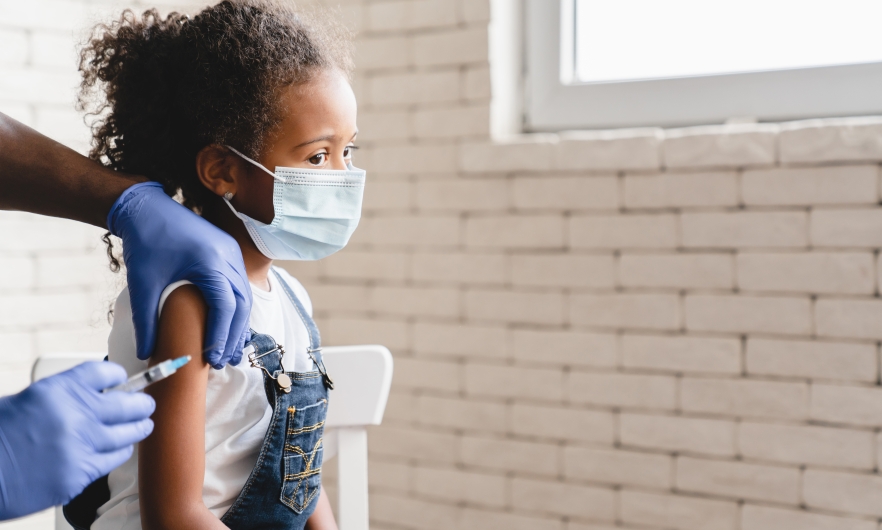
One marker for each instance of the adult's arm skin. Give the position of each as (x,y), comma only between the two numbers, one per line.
(39,175)
(163,242)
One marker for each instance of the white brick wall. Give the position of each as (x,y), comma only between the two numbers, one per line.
(594,330)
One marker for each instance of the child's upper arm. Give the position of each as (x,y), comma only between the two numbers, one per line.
(171,461)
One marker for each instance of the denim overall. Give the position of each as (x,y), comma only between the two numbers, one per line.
(283,488)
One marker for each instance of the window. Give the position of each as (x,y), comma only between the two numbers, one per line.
(629,63)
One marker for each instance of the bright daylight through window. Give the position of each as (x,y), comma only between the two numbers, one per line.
(628,63)
(651,39)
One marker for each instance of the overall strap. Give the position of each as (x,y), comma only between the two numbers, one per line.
(315,339)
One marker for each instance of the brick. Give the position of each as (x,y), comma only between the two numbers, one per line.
(388,196)
(812,359)
(412,444)
(678,511)
(42,309)
(622,390)
(18,273)
(846,228)
(373,53)
(622,149)
(354,265)
(476,81)
(415,301)
(623,231)
(475,10)
(459,268)
(806,445)
(451,47)
(720,146)
(563,270)
(745,398)
(677,433)
(682,353)
(811,186)
(452,122)
(570,348)
(626,311)
(422,159)
(412,513)
(459,340)
(567,424)
(401,407)
(507,306)
(515,231)
(14,43)
(417,231)
(748,314)
(514,382)
(482,520)
(455,485)
(617,467)
(389,16)
(44,14)
(424,374)
(526,153)
(53,49)
(678,190)
(385,125)
(390,475)
(807,272)
(745,229)
(849,318)
(340,298)
(847,404)
(555,498)
(738,480)
(767,518)
(680,271)
(462,195)
(566,193)
(843,492)
(460,414)
(503,455)
(38,233)
(826,140)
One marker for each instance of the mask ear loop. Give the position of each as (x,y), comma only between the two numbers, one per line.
(256,163)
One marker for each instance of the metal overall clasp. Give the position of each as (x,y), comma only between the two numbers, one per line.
(282,379)
(326,379)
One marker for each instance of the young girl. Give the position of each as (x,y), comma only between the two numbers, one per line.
(204,106)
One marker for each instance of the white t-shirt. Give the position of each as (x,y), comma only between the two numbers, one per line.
(237,412)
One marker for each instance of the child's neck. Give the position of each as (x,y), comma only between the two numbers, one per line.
(257,266)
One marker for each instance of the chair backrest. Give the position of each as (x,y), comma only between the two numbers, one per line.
(362,376)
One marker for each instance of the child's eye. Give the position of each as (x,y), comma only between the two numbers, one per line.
(318,159)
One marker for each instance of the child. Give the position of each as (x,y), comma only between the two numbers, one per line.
(204,106)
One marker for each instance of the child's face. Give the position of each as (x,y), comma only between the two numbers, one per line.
(317,132)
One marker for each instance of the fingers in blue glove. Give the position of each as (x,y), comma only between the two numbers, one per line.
(121,407)
(97,375)
(106,462)
(110,438)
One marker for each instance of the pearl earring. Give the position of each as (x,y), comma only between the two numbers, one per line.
(228,195)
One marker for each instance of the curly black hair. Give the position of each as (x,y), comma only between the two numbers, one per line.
(161,89)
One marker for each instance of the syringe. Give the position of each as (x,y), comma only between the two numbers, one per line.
(151,375)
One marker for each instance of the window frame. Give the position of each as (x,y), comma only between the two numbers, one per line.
(554,103)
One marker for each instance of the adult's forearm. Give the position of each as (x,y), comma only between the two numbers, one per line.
(39,175)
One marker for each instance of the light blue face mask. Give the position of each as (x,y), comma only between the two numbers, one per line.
(316,212)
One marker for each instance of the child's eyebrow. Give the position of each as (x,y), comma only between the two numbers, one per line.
(322,139)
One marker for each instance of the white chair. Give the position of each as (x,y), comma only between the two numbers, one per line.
(362,376)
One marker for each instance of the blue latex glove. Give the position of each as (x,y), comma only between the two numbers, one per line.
(163,242)
(61,434)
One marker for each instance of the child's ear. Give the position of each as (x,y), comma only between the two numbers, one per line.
(219,169)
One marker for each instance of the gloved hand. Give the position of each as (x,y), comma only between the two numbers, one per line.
(163,242)
(61,434)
